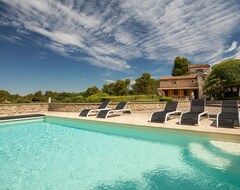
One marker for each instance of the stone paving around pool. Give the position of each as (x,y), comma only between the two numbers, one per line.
(142,118)
(207,127)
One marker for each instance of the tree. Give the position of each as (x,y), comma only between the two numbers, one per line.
(38,97)
(213,87)
(64,96)
(224,78)
(229,71)
(4,96)
(180,66)
(91,91)
(120,88)
(51,94)
(145,85)
(109,89)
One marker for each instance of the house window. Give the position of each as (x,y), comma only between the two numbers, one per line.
(185,92)
(200,70)
(193,80)
(174,82)
(166,92)
(175,92)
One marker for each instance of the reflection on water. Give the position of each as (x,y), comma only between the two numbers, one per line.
(48,156)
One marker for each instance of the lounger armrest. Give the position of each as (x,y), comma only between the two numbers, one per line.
(201,114)
(171,113)
(178,111)
(127,110)
(185,112)
(174,112)
(217,122)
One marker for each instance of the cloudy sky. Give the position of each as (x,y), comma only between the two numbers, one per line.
(70,45)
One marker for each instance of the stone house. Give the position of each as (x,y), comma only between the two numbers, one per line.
(185,86)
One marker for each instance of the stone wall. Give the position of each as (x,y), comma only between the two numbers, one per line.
(71,107)
(134,106)
(12,109)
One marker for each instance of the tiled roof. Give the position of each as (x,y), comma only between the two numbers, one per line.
(198,65)
(191,76)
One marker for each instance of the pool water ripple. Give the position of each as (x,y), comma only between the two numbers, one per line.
(43,155)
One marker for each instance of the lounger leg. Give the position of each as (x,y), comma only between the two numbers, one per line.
(88,113)
(180,120)
(166,117)
(217,120)
(199,117)
(238,119)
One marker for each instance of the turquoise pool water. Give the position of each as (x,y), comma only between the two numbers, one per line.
(59,154)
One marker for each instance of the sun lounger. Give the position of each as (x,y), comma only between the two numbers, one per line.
(87,112)
(162,116)
(196,111)
(229,115)
(119,109)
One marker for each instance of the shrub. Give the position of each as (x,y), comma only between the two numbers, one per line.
(97,97)
(66,100)
(22,100)
(136,98)
(232,98)
(77,99)
(167,99)
(147,100)
(119,98)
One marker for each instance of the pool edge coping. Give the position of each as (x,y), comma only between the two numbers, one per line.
(209,134)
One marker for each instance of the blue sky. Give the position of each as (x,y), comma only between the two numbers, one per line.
(71,45)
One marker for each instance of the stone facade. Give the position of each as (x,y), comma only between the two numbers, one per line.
(13,109)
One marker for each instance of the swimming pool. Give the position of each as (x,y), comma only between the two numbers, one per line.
(58,153)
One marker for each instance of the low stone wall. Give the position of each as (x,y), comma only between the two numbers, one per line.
(12,109)
(134,106)
(71,107)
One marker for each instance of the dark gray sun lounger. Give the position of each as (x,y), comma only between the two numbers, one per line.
(87,112)
(196,111)
(162,116)
(229,115)
(118,109)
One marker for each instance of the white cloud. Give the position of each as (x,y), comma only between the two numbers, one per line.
(108,62)
(12,39)
(236,55)
(108,34)
(108,81)
(233,47)
(42,55)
